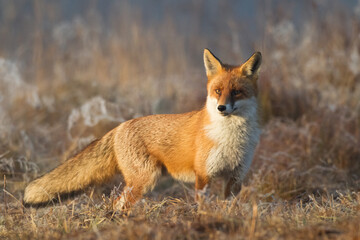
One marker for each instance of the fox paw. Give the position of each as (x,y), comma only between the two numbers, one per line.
(201,195)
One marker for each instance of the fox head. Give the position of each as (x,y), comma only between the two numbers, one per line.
(232,90)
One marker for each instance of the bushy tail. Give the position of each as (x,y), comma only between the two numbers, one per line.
(93,165)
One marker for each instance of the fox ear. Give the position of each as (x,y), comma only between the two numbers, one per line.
(212,64)
(252,65)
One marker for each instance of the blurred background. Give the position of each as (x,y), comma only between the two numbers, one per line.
(72,70)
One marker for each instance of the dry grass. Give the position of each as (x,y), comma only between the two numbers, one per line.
(67,79)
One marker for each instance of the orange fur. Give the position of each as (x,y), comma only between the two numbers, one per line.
(193,147)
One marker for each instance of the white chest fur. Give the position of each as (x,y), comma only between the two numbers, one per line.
(235,137)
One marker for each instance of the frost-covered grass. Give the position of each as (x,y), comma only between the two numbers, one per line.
(74,79)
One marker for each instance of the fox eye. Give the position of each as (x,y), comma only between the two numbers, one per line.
(218,91)
(236,92)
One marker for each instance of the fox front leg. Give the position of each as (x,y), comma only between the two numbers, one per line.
(200,186)
(233,187)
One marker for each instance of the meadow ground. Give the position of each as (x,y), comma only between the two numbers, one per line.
(67,78)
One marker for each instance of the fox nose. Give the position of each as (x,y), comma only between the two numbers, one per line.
(221,108)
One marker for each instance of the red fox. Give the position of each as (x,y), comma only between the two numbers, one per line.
(217,141)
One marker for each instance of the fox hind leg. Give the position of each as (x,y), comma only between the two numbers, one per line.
(139,180)
(127,198)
